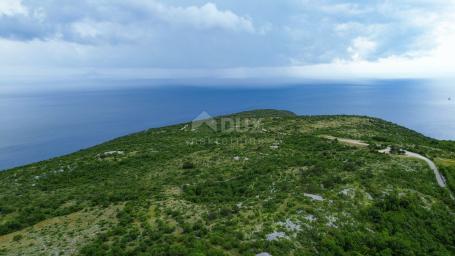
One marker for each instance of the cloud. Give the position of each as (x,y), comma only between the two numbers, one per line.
(89,31)
(361,48)
(215,38)
(110,22)
(207,16)
(344,9)
(10,8)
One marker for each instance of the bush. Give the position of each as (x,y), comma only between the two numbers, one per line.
(188,165)
(18,237)
(177,249)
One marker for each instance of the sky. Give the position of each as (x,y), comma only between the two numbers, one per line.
(157,39)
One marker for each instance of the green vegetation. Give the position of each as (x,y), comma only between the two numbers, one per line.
(281,188)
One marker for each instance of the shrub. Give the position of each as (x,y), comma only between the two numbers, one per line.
(188,165)
(18,237)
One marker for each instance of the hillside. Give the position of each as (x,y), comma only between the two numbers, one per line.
(262,182)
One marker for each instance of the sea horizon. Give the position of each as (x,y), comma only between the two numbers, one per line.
(43,124)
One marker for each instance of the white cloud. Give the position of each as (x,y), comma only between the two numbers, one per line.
(361,48)
(321,38)
(113,22)
(206,16)
(99,32)
(344,8)
(438,62)
(12,8)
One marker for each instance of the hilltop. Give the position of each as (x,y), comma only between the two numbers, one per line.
(263,182)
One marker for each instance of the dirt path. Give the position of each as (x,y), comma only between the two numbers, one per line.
(347,141)
(439,177)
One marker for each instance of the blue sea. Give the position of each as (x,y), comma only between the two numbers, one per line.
(39,124)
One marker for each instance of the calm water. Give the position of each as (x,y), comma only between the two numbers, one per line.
(38,125)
